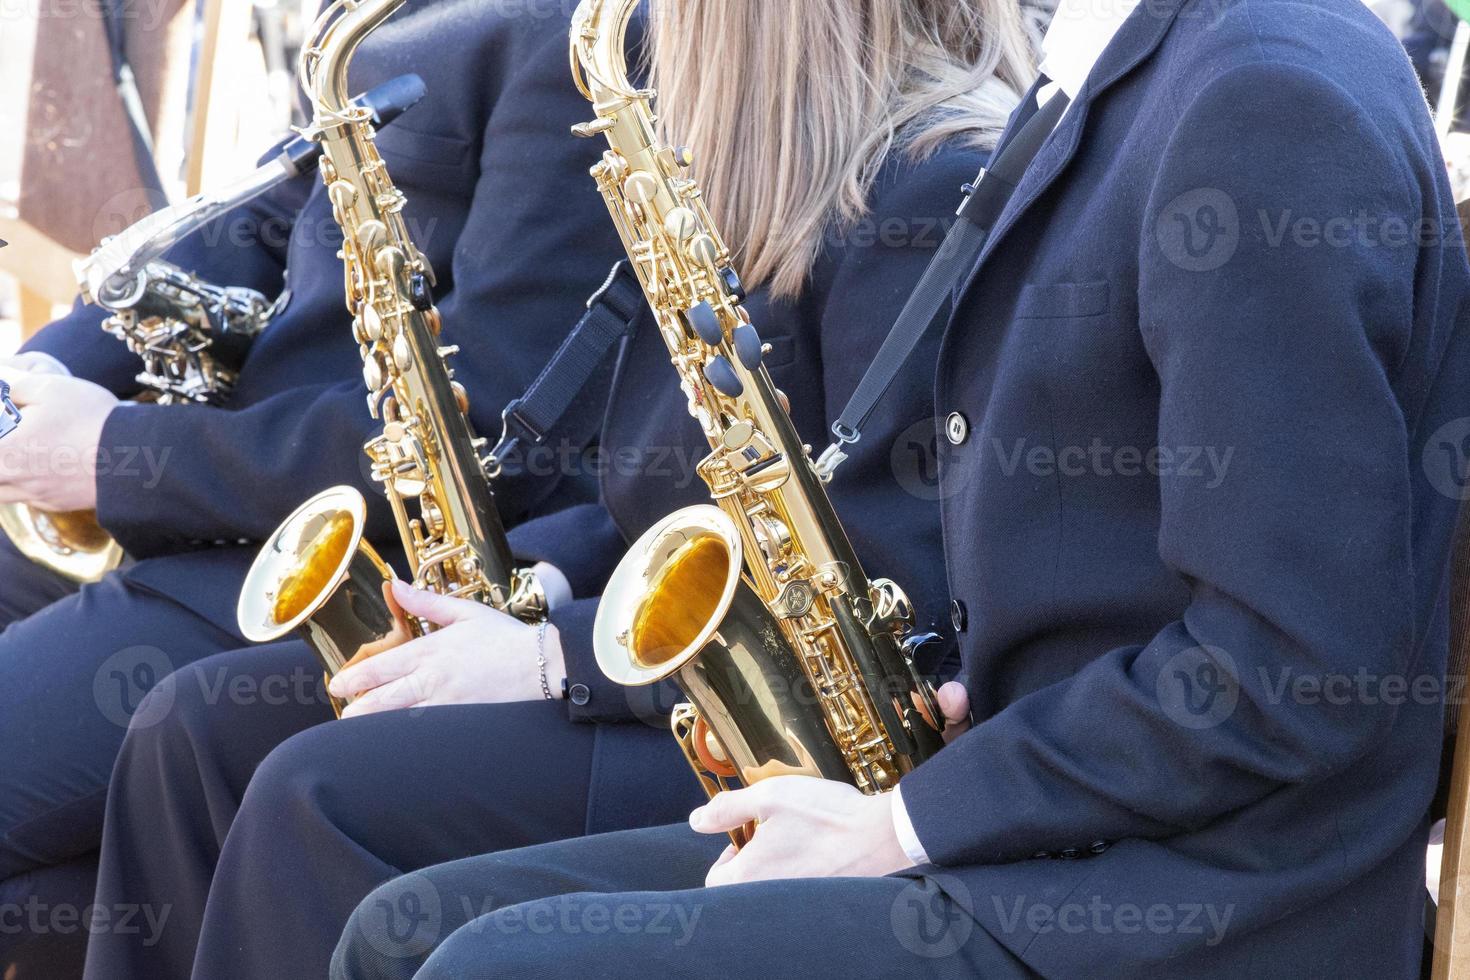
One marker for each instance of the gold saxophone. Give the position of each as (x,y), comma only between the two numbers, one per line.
(800,665)
(316,574)
(191,336)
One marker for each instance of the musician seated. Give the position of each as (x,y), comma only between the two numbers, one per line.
(1203,393)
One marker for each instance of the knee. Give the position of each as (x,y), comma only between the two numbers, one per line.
(392,931)
(169,721)
(299,776)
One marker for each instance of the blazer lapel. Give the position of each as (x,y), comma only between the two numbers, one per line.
(1134,43)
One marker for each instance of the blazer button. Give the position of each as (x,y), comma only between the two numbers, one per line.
(959,618)
(1098,847)
(1070,854)
(579,694)
(956,428)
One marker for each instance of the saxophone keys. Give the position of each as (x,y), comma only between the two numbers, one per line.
(706,323)
(371,324)
(461,397)
(402,354)
(702,249)
(719,372)
(342,195)
(737,436)
(748,346)
(389,261)
(640,186)
(372,373)
(680,224)
(372,234)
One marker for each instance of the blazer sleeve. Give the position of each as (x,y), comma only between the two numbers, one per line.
(244,247)
(179,477)
(1298,563)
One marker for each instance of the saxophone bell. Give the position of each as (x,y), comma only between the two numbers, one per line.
(319,578)
(679,608)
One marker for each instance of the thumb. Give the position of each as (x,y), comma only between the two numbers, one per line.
(726,811)
(438,609)
(954,701)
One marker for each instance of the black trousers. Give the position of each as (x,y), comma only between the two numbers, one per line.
(180,776)
(631,905)
(286,835)
(74,665)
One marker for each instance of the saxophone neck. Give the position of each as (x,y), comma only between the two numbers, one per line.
(599,53)
(335,38)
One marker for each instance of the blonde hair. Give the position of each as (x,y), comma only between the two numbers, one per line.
(792,106)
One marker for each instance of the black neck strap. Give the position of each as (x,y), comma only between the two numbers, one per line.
(957,255)
(541,414)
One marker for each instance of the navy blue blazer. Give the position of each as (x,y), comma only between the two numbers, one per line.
(886,494)
(500,203)
(1213,380)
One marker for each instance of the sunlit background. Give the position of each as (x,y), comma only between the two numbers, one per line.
(219,88)
(216,86)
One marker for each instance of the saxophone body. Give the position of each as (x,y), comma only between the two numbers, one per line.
(192,337)
(793,660)
(316,575)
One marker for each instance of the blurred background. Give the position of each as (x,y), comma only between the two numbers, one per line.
(112,108)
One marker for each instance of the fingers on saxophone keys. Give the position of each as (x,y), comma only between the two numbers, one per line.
(438,609)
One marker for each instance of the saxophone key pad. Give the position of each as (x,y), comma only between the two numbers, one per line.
(706,323)
(680,224)
(402,353)
(748,346)
(640,186)
(720,373)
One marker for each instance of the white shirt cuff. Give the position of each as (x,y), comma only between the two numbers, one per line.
(904,828)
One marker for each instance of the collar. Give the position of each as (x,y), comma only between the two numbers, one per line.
(1079,33)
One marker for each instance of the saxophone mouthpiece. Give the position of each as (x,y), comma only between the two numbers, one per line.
(384,103)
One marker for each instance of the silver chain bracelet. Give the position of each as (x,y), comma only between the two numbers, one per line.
(541,658)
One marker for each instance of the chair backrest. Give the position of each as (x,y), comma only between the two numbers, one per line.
(1452,923)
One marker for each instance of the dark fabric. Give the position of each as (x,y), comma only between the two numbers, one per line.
(47,916)
(497,196)
(342,808)
(26,587)
(75,673)
(1144,634)
(181,773)
(338,808)
(630,905)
